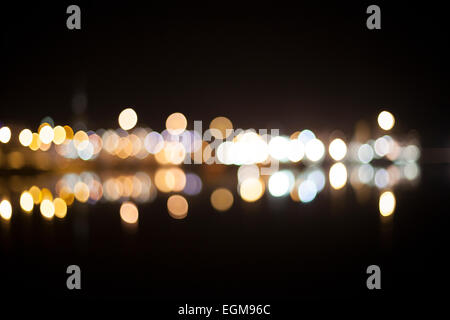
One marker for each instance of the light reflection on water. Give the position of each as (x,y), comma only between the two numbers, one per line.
(54,196)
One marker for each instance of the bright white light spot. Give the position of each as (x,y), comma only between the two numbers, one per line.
(127,119)
(46,134)
(279,147)
(386,120)
(5,209)
(25,137)
(314,150)
(387,203)
(337,149)
(5,134)
(280,183)
(296,150)
(338,175)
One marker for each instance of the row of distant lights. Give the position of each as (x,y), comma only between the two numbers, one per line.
(246,148)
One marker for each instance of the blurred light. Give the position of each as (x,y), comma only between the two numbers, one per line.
(411,171)
(81,191)
(221,199)
(248,171)
(337,149)
(177,206)
(279,147)
(16,160)
(47,208)
(280,183)
(381,146)
(338,175)
(176,123)
(129,212)
(5,134)
(36,194)
(411,153)
(193,184)
(318,178)
(221,127)
(26,201)
(69,132)
(46,134)
(365,153)
(35,142)
(296,150)
(60,208)
(314,150)
(386,120)
(80,140)
(251,189)
(25,137)
(307,191)
(381,178)
(387,203)
(127,119)
(365,173)
(305,136)
(5,209)
(46,194)
(59,135)
(179,179)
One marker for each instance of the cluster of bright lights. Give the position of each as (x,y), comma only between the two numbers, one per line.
(245,148)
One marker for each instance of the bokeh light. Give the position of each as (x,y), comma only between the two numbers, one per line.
(47,208)
(338,175)
(25,137)
(26,201)
(386,120)
(337,149)
(177,206)
(387,203)
(129,213)
(222,199)
(5,209)
(176,123)
(5,134)
(251,189)
(127,119)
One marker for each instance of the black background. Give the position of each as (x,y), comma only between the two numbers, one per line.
(263,66)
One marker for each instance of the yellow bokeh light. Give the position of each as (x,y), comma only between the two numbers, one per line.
(46,194)
(47,208)
(69,132)
(222,199)
(251,189)
(35,142)
(59,135)
(67,195)
(176,123)
(127,119)
(25,137)
(129,212)
(5,209)
(36,194)
(387,203)
(60,207)
(221,127)
(26,201)
(177,206)
(386,120)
